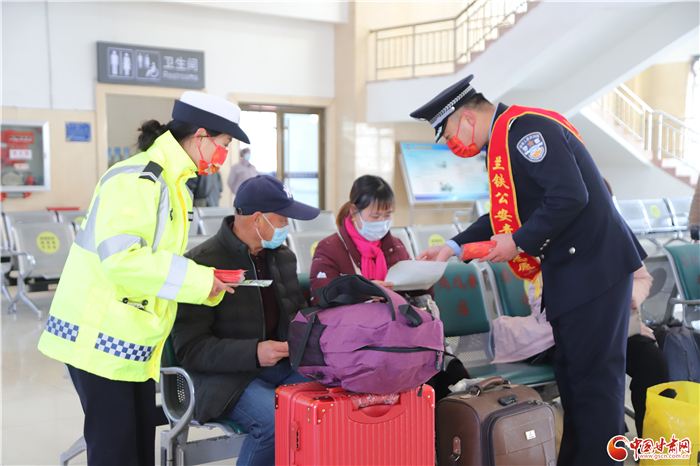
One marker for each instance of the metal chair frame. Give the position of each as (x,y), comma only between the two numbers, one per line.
(680,227)
(15,218)
(545,387)
(21,296)
(684,300)
(415,231)
(401,234)
(479,209)
(33,267)
(206,216)
(461,226)
(176,450)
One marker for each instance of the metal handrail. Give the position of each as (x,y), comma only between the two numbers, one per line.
(663,134)
(425,22)
(449,46)
(636,98)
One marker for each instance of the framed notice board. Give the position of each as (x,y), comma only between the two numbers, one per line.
(25,156)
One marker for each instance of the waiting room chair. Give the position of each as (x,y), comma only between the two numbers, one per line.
(402,234)
(77,448)
(210,218)
(68,216)
(72,217)
(194,225)
(15,218)
(509,291)
(423,236)
(658,308)
(659,220)
(45,248)
(633,213)
(481,207)
(6,260)
(461,226)
(680,212)
(303,244)
(685,263)
(324,221)
(460,295)
(177,397)
(194,241)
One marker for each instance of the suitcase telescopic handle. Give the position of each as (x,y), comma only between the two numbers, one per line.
(476,389)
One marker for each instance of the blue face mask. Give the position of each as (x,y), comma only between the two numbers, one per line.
(374,231)
(246,157)
(277,238)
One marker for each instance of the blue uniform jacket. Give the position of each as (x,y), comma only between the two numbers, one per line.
(568,218)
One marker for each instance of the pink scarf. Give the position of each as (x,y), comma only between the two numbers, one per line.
(373,260)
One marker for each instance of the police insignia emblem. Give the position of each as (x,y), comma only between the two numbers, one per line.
(533,147)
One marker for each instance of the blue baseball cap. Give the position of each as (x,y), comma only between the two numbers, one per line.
(265,193)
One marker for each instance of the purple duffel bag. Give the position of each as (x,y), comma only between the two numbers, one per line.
(368,347)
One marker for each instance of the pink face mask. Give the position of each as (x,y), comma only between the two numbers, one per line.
(458,148)
(217,160)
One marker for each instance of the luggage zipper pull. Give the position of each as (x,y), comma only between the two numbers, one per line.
(437,360)
(420,391)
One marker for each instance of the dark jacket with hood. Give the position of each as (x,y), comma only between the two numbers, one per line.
(218,345)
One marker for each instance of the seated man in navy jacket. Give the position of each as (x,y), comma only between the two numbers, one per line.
(237,352)
(550,211)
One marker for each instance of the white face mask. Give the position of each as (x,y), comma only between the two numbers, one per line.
(374,231)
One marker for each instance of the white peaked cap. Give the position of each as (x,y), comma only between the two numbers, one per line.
(210,112)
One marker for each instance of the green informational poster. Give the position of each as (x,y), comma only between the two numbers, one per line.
(433,174)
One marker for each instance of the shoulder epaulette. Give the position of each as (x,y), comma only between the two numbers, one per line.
(151,172)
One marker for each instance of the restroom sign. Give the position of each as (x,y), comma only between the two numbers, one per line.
(149,66)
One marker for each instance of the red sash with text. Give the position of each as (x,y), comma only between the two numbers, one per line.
(504,202)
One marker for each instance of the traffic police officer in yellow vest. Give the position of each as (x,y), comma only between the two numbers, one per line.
(551,213)
(116,302)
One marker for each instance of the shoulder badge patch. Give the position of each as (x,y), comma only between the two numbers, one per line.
(533,147)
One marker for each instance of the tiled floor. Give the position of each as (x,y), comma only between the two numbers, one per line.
(41,413)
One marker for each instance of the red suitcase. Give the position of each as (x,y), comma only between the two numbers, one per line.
(315,425)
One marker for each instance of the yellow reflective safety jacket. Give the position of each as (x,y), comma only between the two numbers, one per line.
(116,301)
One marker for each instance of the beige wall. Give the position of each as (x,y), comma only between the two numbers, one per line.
(664,87)
(73,164)
(364,148)
(126,113)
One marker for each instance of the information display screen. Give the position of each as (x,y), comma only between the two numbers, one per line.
(434,174)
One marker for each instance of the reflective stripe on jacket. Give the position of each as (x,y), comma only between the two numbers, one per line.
(125,274)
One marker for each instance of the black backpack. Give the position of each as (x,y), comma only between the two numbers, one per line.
(681,350)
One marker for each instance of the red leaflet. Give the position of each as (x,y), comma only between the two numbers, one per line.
(476,250)
(229,276)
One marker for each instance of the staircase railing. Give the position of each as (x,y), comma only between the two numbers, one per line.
(659,132)
(440,47)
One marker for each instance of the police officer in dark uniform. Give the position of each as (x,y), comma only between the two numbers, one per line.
(587,253)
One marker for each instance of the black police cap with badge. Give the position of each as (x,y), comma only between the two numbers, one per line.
(437,110)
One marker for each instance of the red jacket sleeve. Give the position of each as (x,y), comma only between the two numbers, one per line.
(327,263)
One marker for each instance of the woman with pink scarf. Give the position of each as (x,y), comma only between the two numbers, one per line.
(363,245)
